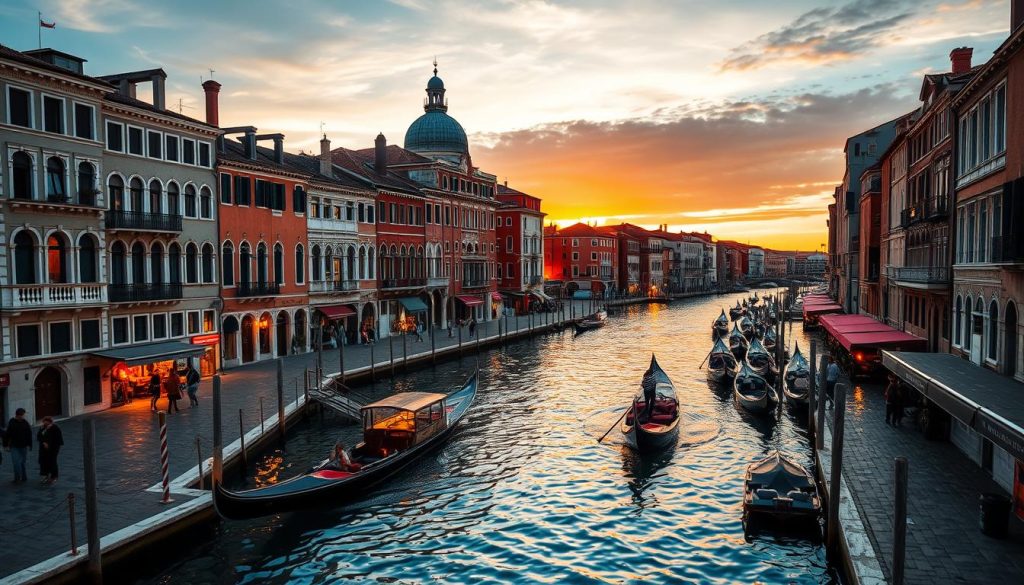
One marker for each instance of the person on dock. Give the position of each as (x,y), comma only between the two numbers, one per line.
(450,328)
(18,440)
(192,384)
(419,331)
(472,326)
(172,387)
(154,390)
(50,441)
(831,379)
(891,391)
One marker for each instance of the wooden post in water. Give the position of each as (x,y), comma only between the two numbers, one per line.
(391,355)
(811,430)
(819,438)
(280,399)
(341,360)
(241,437)
(460,340)
(92,527)
(218,437)
(433,349)
(836,473)
(405,352)
(899,520)
(373,364)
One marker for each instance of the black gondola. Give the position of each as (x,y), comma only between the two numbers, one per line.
(770,339)
(751,390)
(736,312)
(658,428)
(759,359)
(592,321)
(721,363)
(781,489)
(396,432)
(797,378)
(720,327)
(737,343)
(747,327)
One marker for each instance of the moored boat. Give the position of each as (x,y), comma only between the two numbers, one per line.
(737,343)
(747,327)
(736,312)
(397,431)
(720,326)
(781,489)
(658,428)
(797,379)
(592,321)
(721,363)
(759,359)
(751,390)
(769,340)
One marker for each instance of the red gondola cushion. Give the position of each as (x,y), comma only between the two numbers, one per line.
(330,474)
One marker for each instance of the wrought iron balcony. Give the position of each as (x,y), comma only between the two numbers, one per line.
(257,289)
(911,215)
(1008,249)
(327,286)
(134,293)
(936,207)
(42,296)
(143,221)
(919,274)
(392,283)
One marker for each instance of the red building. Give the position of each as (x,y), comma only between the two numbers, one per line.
(582,258)
(520,241)
(870,240)
(263,249)
(654,259)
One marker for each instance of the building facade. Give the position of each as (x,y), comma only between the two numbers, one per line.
(583,258)
(520,241)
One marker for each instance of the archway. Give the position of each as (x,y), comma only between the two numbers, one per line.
(300,330)
(49,386)
(438,306)
(282,333)
(229,337)
(248,340)
(1010,341)
(264,326)
(368,323)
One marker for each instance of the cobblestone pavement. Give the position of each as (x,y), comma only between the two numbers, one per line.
(944,543)
(36,522)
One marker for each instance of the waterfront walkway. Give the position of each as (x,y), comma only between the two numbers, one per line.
(36,524)
(944,543)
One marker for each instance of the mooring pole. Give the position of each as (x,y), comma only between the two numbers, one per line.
(218,437)
(199,457)
(405,352)
(811,430)
(241,437)
(899,520)
(280,399)
(460,340)
(373,364)
(391,355)
(433,349)
(341,360)
(92,527)
(819,437)
(836,475)
(165,477)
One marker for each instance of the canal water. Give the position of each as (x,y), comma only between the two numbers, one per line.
(523,492)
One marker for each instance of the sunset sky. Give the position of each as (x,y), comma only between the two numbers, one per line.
(723,116)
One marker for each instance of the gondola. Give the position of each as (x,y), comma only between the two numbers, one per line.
(721,363)
(660,428)
(737,343)
(592,321)
(778,488)
(751,390)
(397,431)
(797,378)
(720,326)
(759,359)
(769,340)
(736,312)
(747,327)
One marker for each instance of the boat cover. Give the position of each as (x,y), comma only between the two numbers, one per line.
(778,473)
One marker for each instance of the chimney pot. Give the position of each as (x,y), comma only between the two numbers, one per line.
(212,90)
(250,145)
(960,59)
(380,154)
(279,150)
(325,156)
(159,94)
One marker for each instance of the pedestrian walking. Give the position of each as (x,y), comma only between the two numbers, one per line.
(154,390)
(419,331)
(472,326)
(18,440)
(831,378)
(172,387)
(192,384)
(891,390)
(50,441)
(450,328)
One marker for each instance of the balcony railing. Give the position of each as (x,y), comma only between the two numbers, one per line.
(1008,249)
(133,293)
(257,289)
(911,215)
(475,282)
(437,281)
(28,296)
(919,274)
(142,220)
(936,207)
(326,286)
(391,283)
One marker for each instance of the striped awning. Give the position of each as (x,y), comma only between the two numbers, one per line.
(470,301)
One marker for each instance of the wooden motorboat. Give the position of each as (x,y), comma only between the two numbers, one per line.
(659,428)
(397,431)
(781,489)
(720,326)
(592,321)
(752,391)
(759,359)
(747,327)
(737,343)
(797,379)
(722,363)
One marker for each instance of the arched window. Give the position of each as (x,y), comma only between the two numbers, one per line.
(173,199)
(244,264)
(118,264)
(329,273)
(25,257)
(958,323)
(384,274)
(190,201)
(278,263)
(86,184)
(402,263)
(968,323)
(174,264)
(362,263)
(191,263)
(371,267)
(135,188)
(138,263)
(317,266)
(261,263)
(227,264)
(115,191)
(156,263)
(21,183)
(300,264)
(351,263)
(993,329)
(205,203)
(55,179)
(155,197)
(207,263)
(88,260)
(57,259)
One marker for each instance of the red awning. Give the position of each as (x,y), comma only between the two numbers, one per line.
(836,324)
(336,311)
(821,309)
(891,339)
(470,301)
(497,298)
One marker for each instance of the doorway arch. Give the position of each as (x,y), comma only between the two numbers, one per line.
(248,339)
(49,388)
(1010,341)
(282,333)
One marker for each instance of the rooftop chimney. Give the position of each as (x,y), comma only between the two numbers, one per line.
(380,154)
(1016,14)
(249,141)
(279,149)
(325,156)
(159,95)
(212,89)
(960,58)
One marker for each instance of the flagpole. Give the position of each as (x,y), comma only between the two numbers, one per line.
(39,28)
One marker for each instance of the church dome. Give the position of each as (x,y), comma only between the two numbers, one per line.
(436,131)
(435,83)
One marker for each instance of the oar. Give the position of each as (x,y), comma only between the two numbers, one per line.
(701,366)
(615,424)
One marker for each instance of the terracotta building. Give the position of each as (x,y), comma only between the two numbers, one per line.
(582,258)
(520,241)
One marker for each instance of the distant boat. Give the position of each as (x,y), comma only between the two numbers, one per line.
(797,379)
(751,390)
(660,429)
(720,326)
(721,363)
(592,321)
(737,342)
(778,488)
(747,328)
(759,359)
(736,312)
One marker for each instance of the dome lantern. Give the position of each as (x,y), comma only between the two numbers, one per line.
(435,132)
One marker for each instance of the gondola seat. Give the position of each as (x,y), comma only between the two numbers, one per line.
(331,474)
(766,494)
(799,496)
(662,419)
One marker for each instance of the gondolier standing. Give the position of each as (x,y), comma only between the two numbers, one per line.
(650,387)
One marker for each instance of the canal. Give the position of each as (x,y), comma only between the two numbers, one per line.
(524,493)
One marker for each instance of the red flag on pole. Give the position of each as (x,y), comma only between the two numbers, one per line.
(45,24)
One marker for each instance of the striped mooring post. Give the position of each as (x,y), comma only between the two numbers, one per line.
(165,471)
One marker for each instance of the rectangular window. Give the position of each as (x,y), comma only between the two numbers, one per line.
(60,337)
(28,340)
(135,145)
(204,154)
(1000,120)
(160,326)
(84,125)
(177,324)
(430,213)
(188,151)
(382,215)
(119,327)
(447,216)
(593,256)
(986,129)
(362,213)
(369,213)
(299,199)
(53,114)
(394,215)
(19,107)
(155,142)
(90,333)
(140,325)
(225,188)
(170,147)
(279,199)
(243,191)
(209,321)
(193,322)
(115,137)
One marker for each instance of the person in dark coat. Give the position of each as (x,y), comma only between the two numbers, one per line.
(154,390)
(650,387)
(18,440)
(172,387)
(192,379)
(50,441)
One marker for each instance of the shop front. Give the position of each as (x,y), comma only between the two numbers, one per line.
(337,325)
(207,361)
(412,311)
(468,307)
(132,367)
